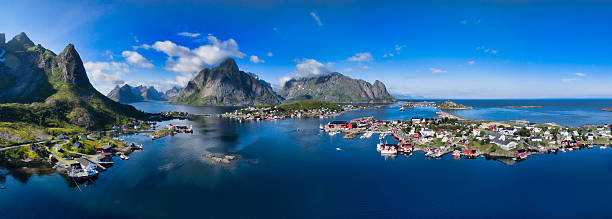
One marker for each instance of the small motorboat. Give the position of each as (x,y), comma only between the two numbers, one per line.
(402,109)
(123,157)
(338,149)
(603,147)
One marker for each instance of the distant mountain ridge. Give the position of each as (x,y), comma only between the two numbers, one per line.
(52,90)
(336,87)
(129,94)
(172,93)
(228,86)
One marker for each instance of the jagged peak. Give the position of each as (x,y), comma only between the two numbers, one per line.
(20,41)
(229,64)
(69,50)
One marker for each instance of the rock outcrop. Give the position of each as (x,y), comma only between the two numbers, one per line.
(335,87)
(226,85)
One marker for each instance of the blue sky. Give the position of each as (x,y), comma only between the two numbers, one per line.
(429,49)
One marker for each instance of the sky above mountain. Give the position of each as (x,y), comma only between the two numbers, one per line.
(427,49)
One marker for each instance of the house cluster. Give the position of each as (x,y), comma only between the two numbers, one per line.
(274,113)
(444,135)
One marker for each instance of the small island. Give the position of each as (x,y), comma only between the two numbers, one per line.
(450,105)
(607,109)
(299,109)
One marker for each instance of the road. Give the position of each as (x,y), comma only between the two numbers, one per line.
(25,145)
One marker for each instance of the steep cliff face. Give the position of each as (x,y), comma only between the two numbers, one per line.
(226,85)
(53,90)
(336,87)
(129,94)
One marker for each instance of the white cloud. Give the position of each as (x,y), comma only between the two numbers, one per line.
(106,73)
(487,50)
(270,54)
(366,67)
(306,68)
(135,58)
(255,59)
(143,46)
(316,17)
(437,71)
(190,61)
(361,57)
(348,69)
(580,74)
(471,62)
(188,34)
(398,48)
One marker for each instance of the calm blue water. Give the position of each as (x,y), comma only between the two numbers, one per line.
(566,112)
(290,169)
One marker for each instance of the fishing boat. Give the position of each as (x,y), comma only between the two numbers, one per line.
(123,157)
(82,172)
(321,127)
(389,150)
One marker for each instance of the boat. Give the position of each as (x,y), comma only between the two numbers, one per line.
(333,133)
(381,136)
(456,153)
(562,150)
(570,149)
(389,150)
(603,147)
(402,109)
(379,146)
(123,157)
(429,154)
(321,127)
(338,149)
(79,173)
(367,135)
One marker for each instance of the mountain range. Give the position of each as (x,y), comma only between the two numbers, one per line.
(227,85)
(52,90)
(129,94)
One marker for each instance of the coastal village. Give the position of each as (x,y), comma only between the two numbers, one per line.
(449,134)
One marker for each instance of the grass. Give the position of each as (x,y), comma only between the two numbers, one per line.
(308,105)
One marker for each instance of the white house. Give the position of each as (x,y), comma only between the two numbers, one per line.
(427,132)
(506,145)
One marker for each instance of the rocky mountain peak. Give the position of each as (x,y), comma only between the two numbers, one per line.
(71,68)
(229,64)
(20,42)
(335,87)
